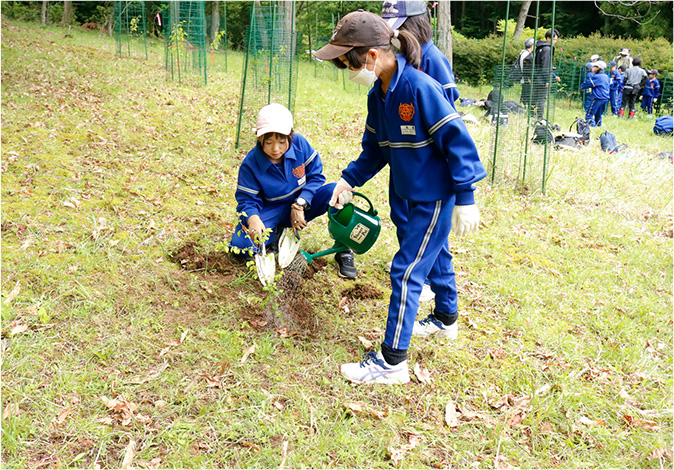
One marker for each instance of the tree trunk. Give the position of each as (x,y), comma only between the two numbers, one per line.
(45,4)
(524,11)
(289,26)
(215,20)
(68,13)
(445,28)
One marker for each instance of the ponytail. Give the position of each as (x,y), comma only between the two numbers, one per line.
(409,47)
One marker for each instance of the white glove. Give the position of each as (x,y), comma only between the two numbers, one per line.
(465,219)
(341,194)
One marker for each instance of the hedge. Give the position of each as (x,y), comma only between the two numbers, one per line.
(474,59)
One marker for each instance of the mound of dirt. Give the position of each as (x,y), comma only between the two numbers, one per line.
(361,292)
(189,258)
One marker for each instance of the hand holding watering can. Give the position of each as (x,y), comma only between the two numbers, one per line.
(341,195)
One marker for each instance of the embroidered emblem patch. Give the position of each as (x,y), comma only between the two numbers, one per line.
(406,111)
(299,171)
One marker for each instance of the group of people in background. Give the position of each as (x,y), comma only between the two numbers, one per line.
(620,87)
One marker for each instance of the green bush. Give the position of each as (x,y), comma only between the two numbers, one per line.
(474,59)
(29,11)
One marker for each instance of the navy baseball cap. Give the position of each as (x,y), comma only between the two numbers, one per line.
(396,12)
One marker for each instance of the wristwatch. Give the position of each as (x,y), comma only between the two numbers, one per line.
(301,202)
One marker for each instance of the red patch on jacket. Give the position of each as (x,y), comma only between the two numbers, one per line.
(406,111)
(299,171)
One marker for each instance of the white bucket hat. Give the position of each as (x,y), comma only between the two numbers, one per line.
(274,118)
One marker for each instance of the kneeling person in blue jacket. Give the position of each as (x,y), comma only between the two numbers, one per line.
(599,83)
(281,185)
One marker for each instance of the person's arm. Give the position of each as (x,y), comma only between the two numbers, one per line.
(370,161)
(451,137)
(313,170)
(248,194)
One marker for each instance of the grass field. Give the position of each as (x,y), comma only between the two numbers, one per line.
(130,338)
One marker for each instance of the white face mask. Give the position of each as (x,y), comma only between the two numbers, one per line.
(364,76)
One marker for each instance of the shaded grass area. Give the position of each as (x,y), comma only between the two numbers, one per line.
(109,174)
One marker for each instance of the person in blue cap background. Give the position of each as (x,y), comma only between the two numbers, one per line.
(651,91)
(587,100)
(615,89)
(597,81)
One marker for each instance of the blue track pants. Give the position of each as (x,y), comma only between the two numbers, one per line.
(424,252)
(596,112)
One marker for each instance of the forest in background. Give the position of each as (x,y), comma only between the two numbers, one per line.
(474,19)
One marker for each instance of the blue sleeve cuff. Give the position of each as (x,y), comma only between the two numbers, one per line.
(465,198)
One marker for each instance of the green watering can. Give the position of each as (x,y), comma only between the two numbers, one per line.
(350,227)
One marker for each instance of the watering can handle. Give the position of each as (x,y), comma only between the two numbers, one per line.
(370,211)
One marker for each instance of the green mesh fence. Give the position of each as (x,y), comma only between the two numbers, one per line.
(130,29)
(185,41)
(270,66)
(219,41)
(514,157)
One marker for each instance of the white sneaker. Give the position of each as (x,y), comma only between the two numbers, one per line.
(431,326)
(426,294)
(374,369)
(387,267)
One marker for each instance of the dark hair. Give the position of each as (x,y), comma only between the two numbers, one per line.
(636,61)
(622,68)
(548,33)
(420,26)
(409,47)
(269,135)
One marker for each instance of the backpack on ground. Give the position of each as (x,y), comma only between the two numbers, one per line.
(663,125)
(582,128)
(568,141)
(608,142)
(543,133)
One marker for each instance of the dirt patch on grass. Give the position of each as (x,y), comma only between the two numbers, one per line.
(361,292)
(191,258)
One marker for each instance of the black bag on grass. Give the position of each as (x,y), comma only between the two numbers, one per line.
(608,142)
(568,142)
(582,128)
(543,133)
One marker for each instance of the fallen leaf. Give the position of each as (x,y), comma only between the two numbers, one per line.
(284,453)
(422,374)
(660,453)
(354,406)
(501,463)
(543,390)
(184,335)
(279,406)
(640,423)
(63,414)
(251,445)
(397,454)
(18,327)
(12,295)
(129,454)
(344,304)
(249,350)
(451,418)
(11,410)
(367,344)
(591,422)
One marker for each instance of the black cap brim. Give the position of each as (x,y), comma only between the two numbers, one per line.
(331,51)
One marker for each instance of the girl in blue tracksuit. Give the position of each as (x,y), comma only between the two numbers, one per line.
(280,185)
(615,89)
(413,16)
(651,91)
(598,82)
(412,128)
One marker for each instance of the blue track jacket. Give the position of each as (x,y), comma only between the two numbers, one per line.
(419,134)
(652,88)
(616,80)
(262,183)
(436,64)
(599,84)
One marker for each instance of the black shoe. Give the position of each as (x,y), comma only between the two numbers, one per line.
(347,268)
